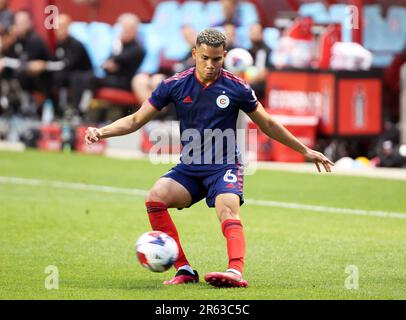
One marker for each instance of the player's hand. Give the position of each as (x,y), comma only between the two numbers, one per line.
(92,135)
(319,158)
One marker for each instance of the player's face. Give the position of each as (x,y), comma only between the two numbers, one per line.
(209,61)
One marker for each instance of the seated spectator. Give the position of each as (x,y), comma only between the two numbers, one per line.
(69,64)
(120,67)
(6,16)
(26,61)
(189,34)
(260,52)
(9,87)
(7,40)
(231,14)
(389,156)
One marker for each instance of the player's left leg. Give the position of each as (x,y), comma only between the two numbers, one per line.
(227,207)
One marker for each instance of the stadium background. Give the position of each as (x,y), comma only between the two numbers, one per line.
(336,132)
(81,212)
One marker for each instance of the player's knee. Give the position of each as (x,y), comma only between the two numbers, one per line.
(226,212)
(156,195)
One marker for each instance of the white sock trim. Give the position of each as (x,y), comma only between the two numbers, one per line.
(187,268)
(234,271)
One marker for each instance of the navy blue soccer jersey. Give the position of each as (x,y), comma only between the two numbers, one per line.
(207,114)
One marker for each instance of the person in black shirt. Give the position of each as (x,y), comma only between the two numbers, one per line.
(70,62)
(231,36)
(26,58)
(231,14)
(6,16)
(189,35)
(120,67)
(70,54)
(127,56)
(260,52)
(9,100)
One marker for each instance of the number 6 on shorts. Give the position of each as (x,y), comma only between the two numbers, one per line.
(230,177)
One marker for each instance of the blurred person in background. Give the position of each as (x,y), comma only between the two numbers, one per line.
(9,86)
(230,33)
(392,86)
(261,53)
(120,67)
(6,16)
(189,34)
(69,64)
(7,40)
(231,14)
(26,59)
(389,155)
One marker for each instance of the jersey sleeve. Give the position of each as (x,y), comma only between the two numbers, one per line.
(161,96)
(249,101)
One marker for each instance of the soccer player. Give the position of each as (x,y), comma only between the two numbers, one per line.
(206,97)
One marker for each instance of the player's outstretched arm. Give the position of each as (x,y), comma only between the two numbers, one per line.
(277,131)
(124,125)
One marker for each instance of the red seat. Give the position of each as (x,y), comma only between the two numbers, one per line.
(116,96)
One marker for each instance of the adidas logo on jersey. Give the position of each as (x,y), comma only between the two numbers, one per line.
(188,99)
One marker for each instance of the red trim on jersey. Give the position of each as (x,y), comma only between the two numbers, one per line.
(204,85)
(233,77)
(149,100)
(240,176)
(180,75)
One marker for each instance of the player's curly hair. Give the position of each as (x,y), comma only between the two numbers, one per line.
(212,38)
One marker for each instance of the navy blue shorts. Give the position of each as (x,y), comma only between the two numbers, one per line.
(209,183)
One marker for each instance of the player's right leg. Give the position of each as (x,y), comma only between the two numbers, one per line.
(168,193)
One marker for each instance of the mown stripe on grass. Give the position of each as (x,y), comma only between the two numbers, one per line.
(142,193)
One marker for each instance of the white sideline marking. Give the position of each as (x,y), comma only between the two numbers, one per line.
(71,185)
(139,192)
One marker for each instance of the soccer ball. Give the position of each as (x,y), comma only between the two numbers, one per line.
(238,60)
(156,251)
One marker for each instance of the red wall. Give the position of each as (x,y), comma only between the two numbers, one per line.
(37,9)
(106,10)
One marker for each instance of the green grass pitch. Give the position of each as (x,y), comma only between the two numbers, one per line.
(291,253)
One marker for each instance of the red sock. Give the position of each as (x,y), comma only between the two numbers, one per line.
(232,230)
(161,221)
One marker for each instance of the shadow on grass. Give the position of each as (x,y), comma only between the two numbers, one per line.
(132,284)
